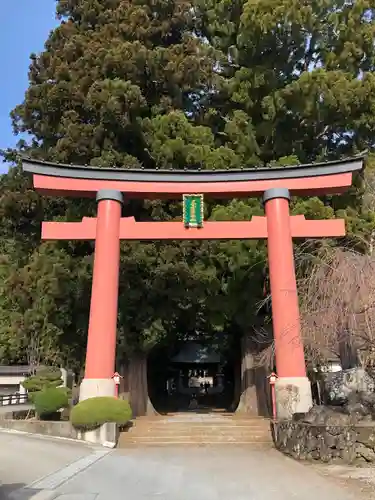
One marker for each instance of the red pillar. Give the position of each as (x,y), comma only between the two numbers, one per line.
(290,359)
(101,341)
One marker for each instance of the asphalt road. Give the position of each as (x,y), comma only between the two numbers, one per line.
(49,469)
(25,458)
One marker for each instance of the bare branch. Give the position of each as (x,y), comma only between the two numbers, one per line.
(337,305)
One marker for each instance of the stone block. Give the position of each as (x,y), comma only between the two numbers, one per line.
(366,436)
(105,435)
(367,453)
(349,454)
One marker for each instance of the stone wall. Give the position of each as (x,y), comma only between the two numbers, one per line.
(351,444)
(44,427)
(105,435)
(16,414)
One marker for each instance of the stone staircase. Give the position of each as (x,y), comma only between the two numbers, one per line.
(191,429)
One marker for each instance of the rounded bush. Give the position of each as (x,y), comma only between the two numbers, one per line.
(49,401)
(44,378)
(93,412)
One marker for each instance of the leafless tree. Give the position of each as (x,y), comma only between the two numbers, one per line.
(336,288)
(337,297)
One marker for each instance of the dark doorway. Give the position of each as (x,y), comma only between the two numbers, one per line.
(191,377)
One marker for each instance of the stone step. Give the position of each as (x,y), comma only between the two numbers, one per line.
(198,432)
(164,444)
(222,420)
(201,428)
(201,416)
(231,437)
(250,424)
(186,432)
(254,444)
(198,439)
(193,430)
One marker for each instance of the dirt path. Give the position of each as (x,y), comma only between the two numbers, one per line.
(356,480)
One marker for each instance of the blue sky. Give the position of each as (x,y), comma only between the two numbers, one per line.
(25,25)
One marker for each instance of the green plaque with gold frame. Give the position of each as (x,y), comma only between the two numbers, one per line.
(193,210)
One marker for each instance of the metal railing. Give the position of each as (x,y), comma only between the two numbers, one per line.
(14,399)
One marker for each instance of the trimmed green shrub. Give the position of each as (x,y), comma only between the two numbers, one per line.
(93,412)
(44,378)
(49,401)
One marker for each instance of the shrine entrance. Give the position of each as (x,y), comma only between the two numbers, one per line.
(196,378)
(274,185)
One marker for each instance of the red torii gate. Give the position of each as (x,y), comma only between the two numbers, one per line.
(276,185)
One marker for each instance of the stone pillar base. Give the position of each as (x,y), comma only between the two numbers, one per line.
(105,435)
(96,387)
(293,395)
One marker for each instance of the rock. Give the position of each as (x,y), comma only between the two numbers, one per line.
(311,444)
(326,415)
(329,439)
(298,417)
(366,436)
(335,418)
(356,407)
(334,430)
(361,406)
(345,438)
(349,454)
(368,399)
(339,385)
(325,451)
(367,419)
(315,415)
(367,453)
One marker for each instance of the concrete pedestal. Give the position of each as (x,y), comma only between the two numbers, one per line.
(106,435)
(96,387)
(293,395)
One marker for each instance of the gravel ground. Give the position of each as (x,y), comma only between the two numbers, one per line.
(358,480)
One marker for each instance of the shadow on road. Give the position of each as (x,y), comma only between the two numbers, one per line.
(16,491)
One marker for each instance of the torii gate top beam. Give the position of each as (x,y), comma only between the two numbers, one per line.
(83,181)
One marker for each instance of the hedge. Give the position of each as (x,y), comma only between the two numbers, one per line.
(49,401)
(91,413)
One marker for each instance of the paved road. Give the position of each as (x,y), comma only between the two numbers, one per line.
(25,458)
(211,473)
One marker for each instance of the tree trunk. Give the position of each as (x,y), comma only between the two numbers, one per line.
(138,387)
(237,386)
(347,351)
(248,400)
(124,381)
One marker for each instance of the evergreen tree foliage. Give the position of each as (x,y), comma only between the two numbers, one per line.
(43,378)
